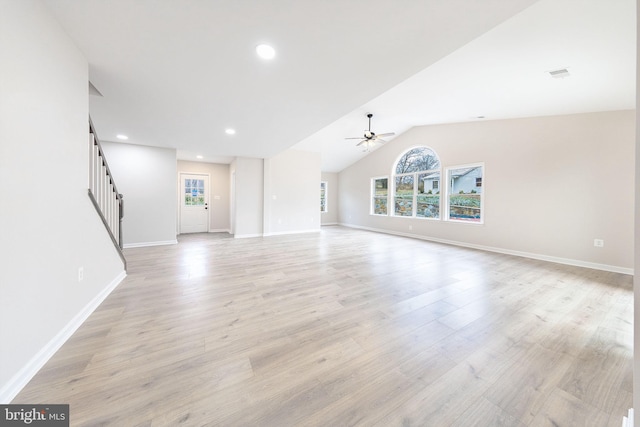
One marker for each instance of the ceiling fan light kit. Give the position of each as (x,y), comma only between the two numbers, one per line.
(370,139)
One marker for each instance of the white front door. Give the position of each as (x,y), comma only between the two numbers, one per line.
(194,203)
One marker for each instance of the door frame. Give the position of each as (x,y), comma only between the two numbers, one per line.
(207,195)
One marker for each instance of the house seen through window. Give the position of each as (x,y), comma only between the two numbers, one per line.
(465,193)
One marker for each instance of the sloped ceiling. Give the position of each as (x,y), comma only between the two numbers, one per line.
(178,73)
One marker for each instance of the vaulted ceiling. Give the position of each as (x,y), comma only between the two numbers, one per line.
(179,73)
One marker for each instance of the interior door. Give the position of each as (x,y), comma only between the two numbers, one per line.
(194,203)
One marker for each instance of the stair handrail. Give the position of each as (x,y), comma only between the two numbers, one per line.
(103,192)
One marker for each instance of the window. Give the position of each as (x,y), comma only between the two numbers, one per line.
(323,196)
(418,181)
(465,193)
(404,195)
(417,184)
(380,192)
(428,196)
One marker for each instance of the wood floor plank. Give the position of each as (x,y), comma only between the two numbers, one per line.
(535,376)
(597,375)
(563,410)
(346,328)
(483,413)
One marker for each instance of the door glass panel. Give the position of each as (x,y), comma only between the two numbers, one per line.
(194,192)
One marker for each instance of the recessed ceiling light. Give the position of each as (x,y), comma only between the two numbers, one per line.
(230,131)
(199,157)
(122,137)
(265,51)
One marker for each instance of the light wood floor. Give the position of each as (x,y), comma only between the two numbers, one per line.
(346,328)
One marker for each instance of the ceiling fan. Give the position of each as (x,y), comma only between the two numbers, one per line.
(369,139)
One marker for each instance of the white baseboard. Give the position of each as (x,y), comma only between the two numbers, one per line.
(541,257)
(145,244)
(329,223)
(628,420)
(245,236)
(221,230)
(10,390)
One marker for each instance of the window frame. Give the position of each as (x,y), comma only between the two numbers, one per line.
(449,192)
(372,204)
(324,192)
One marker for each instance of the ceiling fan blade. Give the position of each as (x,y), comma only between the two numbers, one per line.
(362,142)
(359,137)
(385,134)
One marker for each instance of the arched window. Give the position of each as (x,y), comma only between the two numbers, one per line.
(417,184)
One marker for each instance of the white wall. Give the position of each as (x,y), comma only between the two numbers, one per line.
(292,192)
(146,176)
(636,278)
(331,216)
(552,185)
(248,197)
(48,226)
(219,188)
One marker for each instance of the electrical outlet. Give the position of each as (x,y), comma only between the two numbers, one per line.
(80,274)
(598,243)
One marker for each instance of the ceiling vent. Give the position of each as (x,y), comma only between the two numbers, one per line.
(559,74)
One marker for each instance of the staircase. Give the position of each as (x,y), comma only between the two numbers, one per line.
(103,192)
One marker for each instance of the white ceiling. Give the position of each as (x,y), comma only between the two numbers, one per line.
(178,73)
